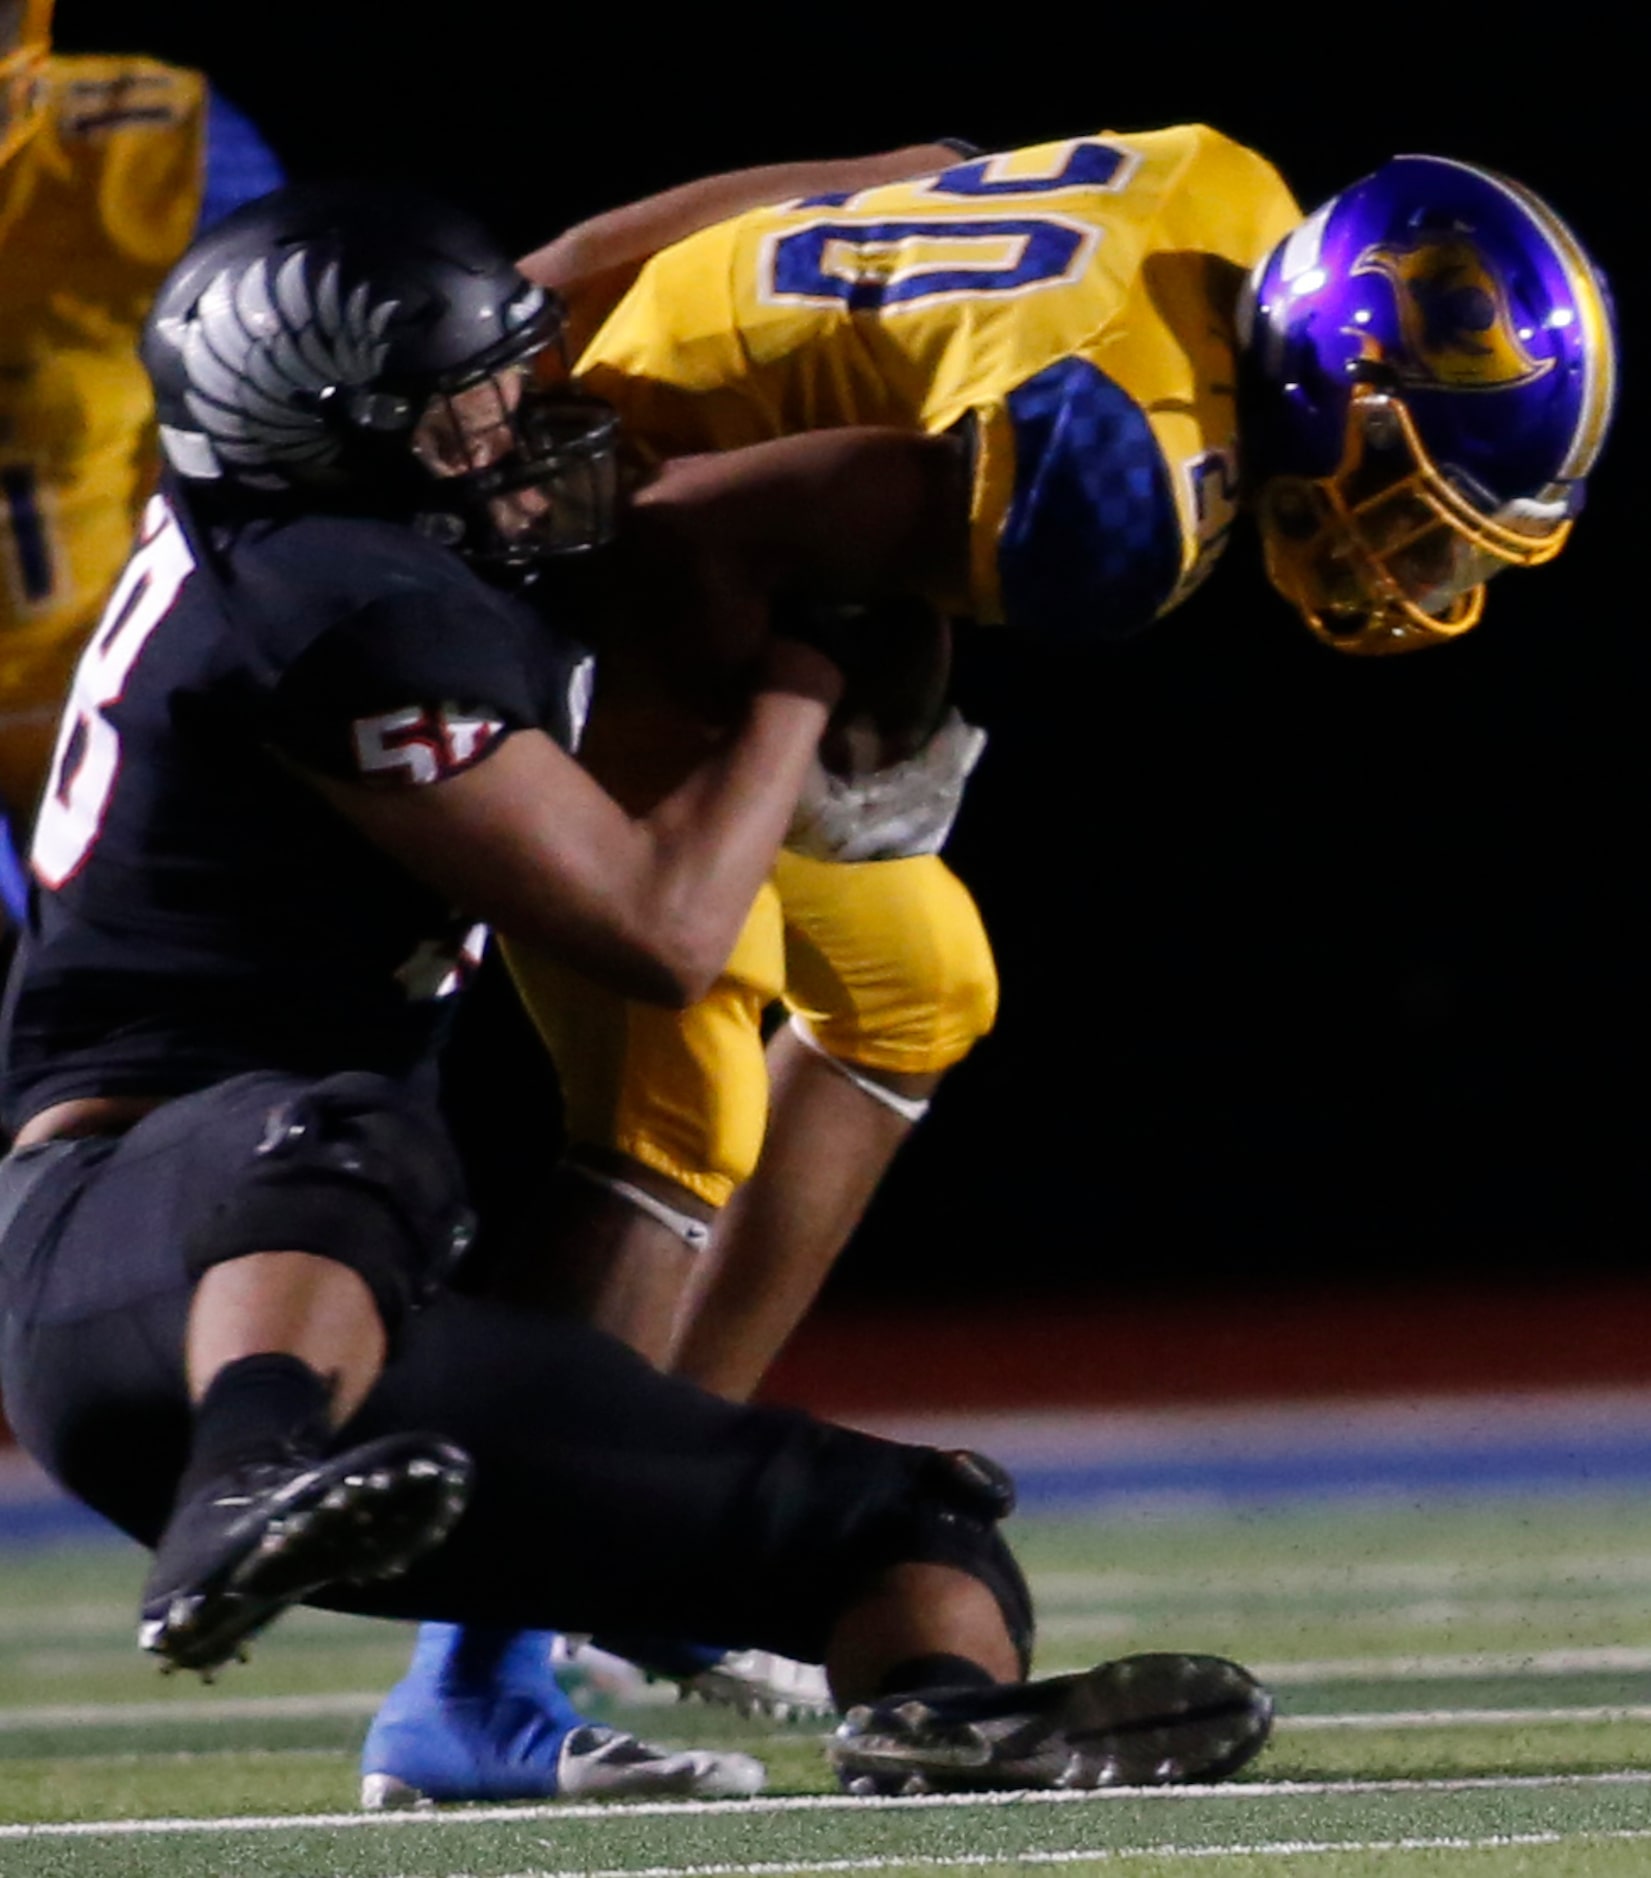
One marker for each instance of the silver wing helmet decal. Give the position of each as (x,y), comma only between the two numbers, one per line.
(258,354)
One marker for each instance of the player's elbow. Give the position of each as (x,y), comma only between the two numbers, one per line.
(688,947)
(649,947)
(667,983)
(664,961)
(684,971)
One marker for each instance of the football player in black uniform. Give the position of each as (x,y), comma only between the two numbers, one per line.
(318,735)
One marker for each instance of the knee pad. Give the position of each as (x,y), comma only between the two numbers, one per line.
(853,1506)
(353,1170)
(950,1518)
(829,1510)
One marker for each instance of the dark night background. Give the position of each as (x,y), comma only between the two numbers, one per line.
(1315,970)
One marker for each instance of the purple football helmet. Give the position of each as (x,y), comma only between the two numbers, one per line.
(1428,372)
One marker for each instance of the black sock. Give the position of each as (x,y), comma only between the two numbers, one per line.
(256,1408)
(939,1671)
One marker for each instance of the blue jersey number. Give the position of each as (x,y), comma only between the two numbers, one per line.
(30,542)
(869,265)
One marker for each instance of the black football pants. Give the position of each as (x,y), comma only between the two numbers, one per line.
(607,1497)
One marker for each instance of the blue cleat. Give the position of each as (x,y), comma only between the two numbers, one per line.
(480,1716)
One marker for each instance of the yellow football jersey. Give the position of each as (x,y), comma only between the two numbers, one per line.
(94,209)
(1070,304)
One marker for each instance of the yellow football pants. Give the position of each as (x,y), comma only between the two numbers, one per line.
(887,961)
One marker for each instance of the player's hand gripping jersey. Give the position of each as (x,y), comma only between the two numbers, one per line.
(1070,304)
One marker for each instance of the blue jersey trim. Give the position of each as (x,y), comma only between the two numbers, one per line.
(1090,165)
(239,164)
(1091,547)
(14,886)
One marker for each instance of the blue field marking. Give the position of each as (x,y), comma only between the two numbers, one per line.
(1566,1442)
(34,1511)
(50,1518)
(1562,1443)
(1232,1479)
(14,886)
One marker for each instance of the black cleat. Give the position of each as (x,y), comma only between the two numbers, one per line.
(270,1533)
(1143,1721)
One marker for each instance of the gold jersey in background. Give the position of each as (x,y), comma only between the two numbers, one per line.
(96,205)
(1070,305)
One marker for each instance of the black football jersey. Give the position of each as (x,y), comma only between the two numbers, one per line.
(198,909)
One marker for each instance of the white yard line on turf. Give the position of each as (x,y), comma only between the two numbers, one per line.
(1100,1855)
(1465,1665)
(296,1708)
(810,1803)
(1464,1718)
(1435,1616)
(353,1704)
(32,1623)
(190,1709)
(1587,1571)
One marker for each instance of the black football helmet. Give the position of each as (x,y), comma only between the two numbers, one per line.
(368,349)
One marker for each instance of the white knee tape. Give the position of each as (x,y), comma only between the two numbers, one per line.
(695,1234)
(908,1108)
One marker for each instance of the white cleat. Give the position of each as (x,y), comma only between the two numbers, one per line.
(606,1764)
(602,1763)
(757,1682)
(584,1669)
(383,1793)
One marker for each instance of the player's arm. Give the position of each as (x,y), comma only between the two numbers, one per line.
(591,264)
(650,905)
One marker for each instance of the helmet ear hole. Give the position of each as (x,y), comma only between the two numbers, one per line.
(381,410)
(1292,507)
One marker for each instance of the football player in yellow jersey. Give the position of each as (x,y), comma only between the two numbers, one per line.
(1422,373)
(109,166)
(1066,312)
(1070,304)
(1072,314)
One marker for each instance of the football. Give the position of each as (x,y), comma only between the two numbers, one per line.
(897,659)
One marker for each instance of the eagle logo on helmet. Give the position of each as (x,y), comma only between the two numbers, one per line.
(1458,330)
(260,350)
